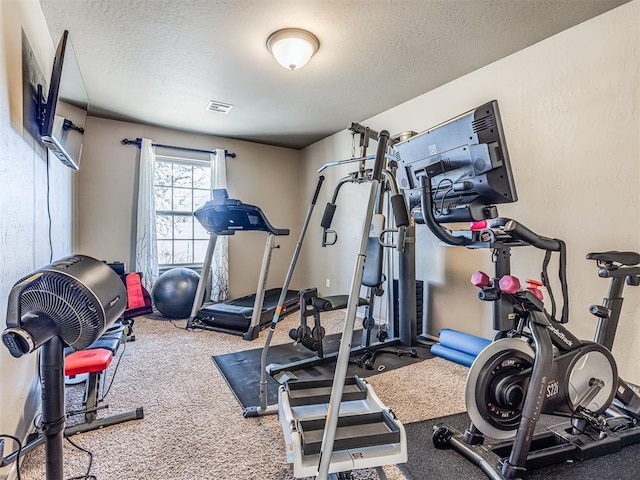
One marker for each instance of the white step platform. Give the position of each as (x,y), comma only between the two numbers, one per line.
(368,433)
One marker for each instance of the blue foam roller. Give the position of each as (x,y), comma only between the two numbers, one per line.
(453,355)
(463,342)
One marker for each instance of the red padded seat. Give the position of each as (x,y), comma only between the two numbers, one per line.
(87,361)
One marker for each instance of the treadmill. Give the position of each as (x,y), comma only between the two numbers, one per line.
(247,315)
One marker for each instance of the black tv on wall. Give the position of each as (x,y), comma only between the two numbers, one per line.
(64,112)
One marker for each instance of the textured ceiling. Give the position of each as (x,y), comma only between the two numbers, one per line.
(160,62)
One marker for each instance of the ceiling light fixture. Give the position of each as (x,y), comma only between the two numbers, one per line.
(292,47)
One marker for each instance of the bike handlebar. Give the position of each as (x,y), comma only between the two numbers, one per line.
(426,206)
(520,232)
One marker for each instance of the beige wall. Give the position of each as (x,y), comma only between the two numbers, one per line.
(24,222)
(570,107)
(261,175)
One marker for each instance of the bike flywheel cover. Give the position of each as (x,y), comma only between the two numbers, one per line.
(497,360)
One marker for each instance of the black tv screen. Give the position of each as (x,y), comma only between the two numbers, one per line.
(65,111)
(467,164)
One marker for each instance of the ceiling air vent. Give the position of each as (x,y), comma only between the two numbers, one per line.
(218,107)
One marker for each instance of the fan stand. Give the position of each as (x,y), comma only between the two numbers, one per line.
(53,416)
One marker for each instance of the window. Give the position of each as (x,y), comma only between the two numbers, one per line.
(180,187)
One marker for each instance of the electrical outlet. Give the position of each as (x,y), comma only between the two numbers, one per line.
(327,282)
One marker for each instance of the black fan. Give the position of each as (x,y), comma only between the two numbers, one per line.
(72,301)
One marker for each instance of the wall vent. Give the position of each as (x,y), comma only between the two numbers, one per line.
(218,107)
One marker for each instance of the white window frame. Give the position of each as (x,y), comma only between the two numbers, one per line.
(195,265)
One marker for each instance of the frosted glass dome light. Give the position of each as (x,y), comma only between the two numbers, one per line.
(292,47)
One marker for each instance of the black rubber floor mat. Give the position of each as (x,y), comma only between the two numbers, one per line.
(427,462)
(241,370)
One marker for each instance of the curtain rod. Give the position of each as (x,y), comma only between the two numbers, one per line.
(138,143)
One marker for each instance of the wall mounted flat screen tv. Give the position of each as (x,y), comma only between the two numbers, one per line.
(64,112)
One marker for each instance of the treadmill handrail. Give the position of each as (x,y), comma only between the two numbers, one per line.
(245,217)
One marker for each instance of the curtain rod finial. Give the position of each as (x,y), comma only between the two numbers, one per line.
(137,142)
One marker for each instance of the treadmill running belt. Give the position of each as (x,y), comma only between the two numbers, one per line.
(235,315)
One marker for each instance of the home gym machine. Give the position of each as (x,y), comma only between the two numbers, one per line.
(311,304)
(545,369)
(364,433)
(388,444)
(373,278)
(244,316)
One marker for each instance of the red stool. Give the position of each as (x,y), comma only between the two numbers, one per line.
(94,362)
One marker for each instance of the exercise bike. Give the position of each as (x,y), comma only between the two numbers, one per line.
(540,367)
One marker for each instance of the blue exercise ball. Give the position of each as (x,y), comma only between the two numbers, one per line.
(174,292)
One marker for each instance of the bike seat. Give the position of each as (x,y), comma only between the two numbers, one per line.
(623,258)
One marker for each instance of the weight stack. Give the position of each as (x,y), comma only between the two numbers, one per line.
(419,306)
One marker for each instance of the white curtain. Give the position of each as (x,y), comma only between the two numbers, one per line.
(146,249)
(220,261)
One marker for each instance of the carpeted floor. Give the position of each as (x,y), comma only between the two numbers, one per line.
(193,426)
